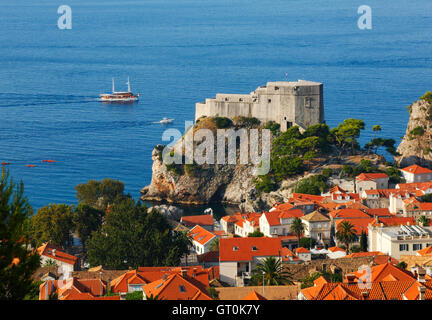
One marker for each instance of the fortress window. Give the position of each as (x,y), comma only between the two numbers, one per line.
(241,99)
(276,88)
(269,100)
(307,102)
(226,99)
(255,99)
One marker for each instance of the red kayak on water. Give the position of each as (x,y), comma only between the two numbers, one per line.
(50,161)
(5,163)
(30,165)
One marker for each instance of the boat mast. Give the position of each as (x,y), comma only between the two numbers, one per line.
(113,90)
(128,83)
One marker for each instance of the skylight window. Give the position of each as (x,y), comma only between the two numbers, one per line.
(235,248)
(254,248)
(182,289)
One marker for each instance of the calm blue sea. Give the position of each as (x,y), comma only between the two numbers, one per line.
(178,52)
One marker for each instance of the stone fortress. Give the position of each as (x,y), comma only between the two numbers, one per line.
(288,103)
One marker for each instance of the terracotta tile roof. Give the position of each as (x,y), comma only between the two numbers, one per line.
(253,295)
(394,221)
(383,193)
(359,224)
(315,216)
(211,256)
(380,212)
(202,220)
(288,255)
(425,252)
(415,185)
(292,213)
(348,213)
(244,249)
(380,272)
(415,169)
(371,176)
(201,235)
(302,250)
(364,254)
(413,292)
(307,197)
(86,289)
(175,287)
(335,249)
(47,251)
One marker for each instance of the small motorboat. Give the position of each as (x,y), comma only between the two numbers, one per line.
(164,121)
(30,165)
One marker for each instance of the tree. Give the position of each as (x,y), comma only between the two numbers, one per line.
(347,133)
(256,234)
(17,262)
(402,265)
(132,237)
(424,221)
(53,223)
(272,272)
(307,243)
(363,242)
(135,295)
(86,219)
(346,234)
(99,194)
(298,227)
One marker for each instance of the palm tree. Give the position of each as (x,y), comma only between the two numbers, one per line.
(424,221)
(298,227)
(214,246)
(346,234)
(272,272)
(152,297)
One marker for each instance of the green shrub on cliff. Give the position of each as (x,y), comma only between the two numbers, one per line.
(222,122)
(313,185)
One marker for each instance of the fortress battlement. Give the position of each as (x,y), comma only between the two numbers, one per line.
(288,103)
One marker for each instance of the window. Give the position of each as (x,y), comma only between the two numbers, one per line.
(403,247)
(307,102)
(417,246)
(182,289)
(269,100)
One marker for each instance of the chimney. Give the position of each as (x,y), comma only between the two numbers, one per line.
(165,276)
(365,294)
(54,252)
(376,219)
(184,273)
(422,291)
(421,274)
(194,272)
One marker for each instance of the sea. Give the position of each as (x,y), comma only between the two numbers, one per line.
(177,53)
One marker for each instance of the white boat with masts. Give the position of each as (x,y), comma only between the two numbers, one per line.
(118,96)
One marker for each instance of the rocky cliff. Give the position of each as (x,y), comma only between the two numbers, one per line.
(416,146)
(231,183)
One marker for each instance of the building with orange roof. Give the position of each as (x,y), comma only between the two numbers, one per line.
(398,239)
(415,173)
(289,257)
(370,181)
(359,224)
(66,263)
(277,222)
(425,252)
(175,287)
(239,256)
(253,295)
(339,195)
(204,220)
(133,280)
(202,239)
(396,200)
(335,253)
(318,227)
(304,254)
(348,214)
(379,212)
(73,289)
(415,208)
(241,224)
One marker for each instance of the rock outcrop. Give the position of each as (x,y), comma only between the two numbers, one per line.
(416,146)
(222,183)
